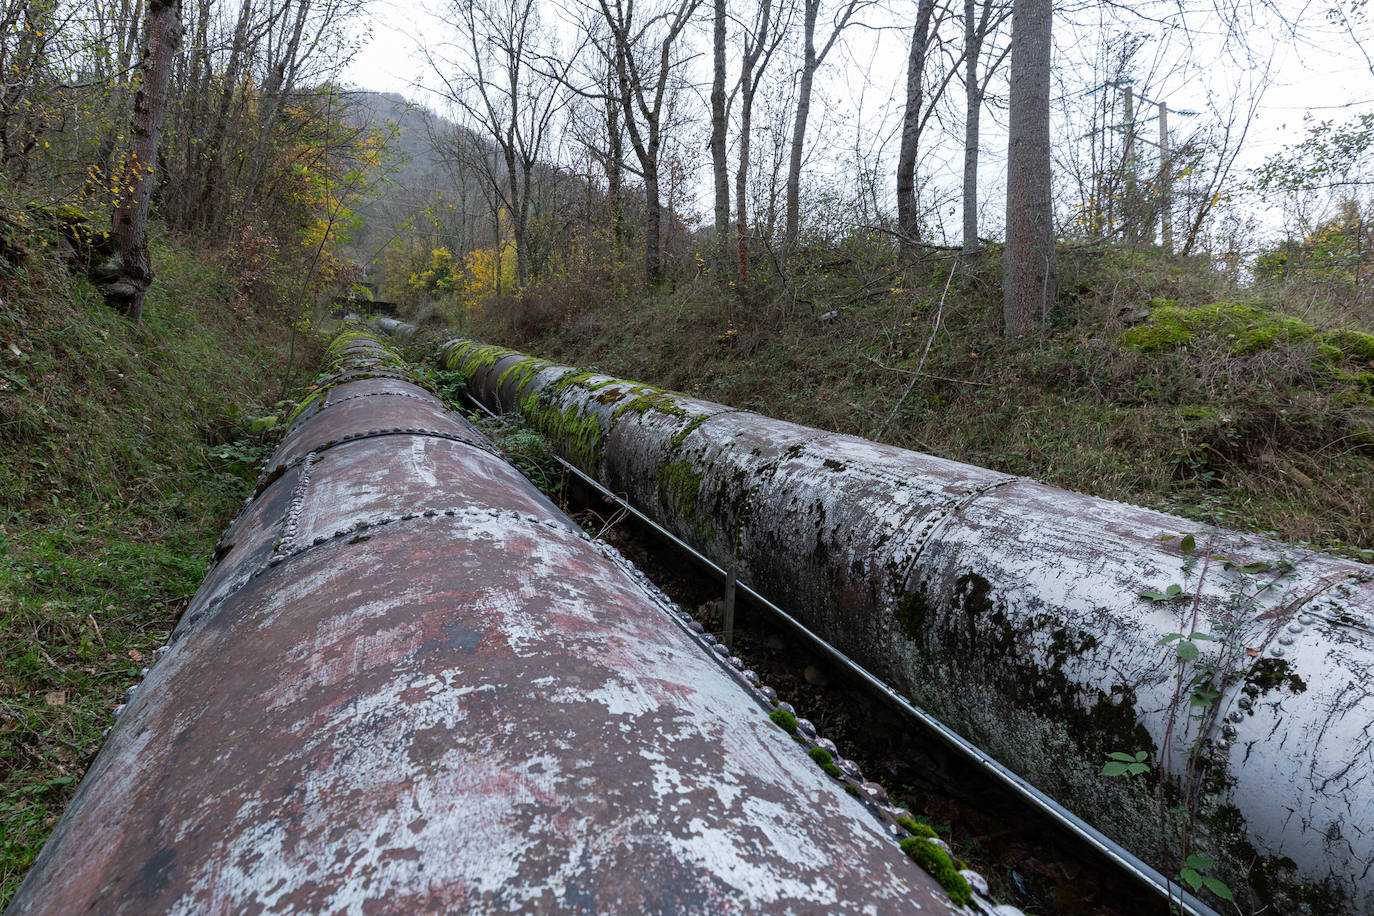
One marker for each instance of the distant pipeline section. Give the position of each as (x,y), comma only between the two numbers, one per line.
(410,684)
(1048,627)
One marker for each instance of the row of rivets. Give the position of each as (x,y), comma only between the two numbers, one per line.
(132,690)
(377,433)
(870,791)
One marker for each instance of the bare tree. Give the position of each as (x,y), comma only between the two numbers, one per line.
(719,120)
(509,99)
(214,154)
(980,22)
(641,53)
(759,43)
(1028,275)
(812,58)
(596,125)
(292,47)
(125,280)
(921,35)
(613,159)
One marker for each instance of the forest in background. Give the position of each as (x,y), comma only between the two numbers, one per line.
(679,192)
(577,149)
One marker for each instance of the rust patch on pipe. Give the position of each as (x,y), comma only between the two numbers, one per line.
(410,684)
(1013,611)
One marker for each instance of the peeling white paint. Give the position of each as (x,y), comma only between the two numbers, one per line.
(839,530)
(474,712)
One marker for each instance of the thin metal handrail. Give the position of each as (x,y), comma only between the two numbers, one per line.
(1100,842)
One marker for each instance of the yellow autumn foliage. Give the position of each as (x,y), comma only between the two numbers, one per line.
(490,273)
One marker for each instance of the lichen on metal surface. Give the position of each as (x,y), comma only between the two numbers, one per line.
(1014,612)
(410,684)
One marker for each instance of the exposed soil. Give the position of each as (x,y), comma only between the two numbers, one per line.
(1028,861)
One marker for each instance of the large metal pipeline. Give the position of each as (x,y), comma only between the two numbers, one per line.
(1048,627)
(410,684)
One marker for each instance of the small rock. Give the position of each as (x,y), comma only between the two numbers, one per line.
(815,676)
(975,881)
(875,791)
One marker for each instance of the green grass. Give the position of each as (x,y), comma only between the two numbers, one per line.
(124,451)
(1252,408)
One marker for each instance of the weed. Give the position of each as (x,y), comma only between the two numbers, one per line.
(936,861)
(824,760)
(528,450)
(126,451)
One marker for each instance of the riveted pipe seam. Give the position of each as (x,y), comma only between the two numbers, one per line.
(1013,610)
(483,711)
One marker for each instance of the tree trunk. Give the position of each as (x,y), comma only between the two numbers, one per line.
(1028,278)
(746,115)
(718,124)
(280,82)
(215,150)
(908,220)
(194,109)
(17,136)
(653,227)
(973,113)
(515,200)
(520,226)
(615,167)
(757,53)
(125,282)
(641,99)
(792,226)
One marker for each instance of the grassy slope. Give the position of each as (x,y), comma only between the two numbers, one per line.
(118,459)
(1232,415)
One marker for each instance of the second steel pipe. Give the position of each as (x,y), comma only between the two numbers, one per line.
(1016,612)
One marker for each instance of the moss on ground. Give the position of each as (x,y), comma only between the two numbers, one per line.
(1243,329)
(126,452)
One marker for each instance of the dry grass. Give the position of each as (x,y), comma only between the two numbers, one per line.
(1275,440)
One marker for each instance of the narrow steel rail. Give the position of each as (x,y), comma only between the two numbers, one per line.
(1024,617)
(409,683)
(1147,876)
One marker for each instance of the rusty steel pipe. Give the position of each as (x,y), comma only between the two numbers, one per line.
(1014,612)
(394,327)
(410,684)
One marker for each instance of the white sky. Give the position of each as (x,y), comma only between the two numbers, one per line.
(1319,73)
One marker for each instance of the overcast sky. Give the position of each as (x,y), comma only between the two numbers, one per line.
(1319,73)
